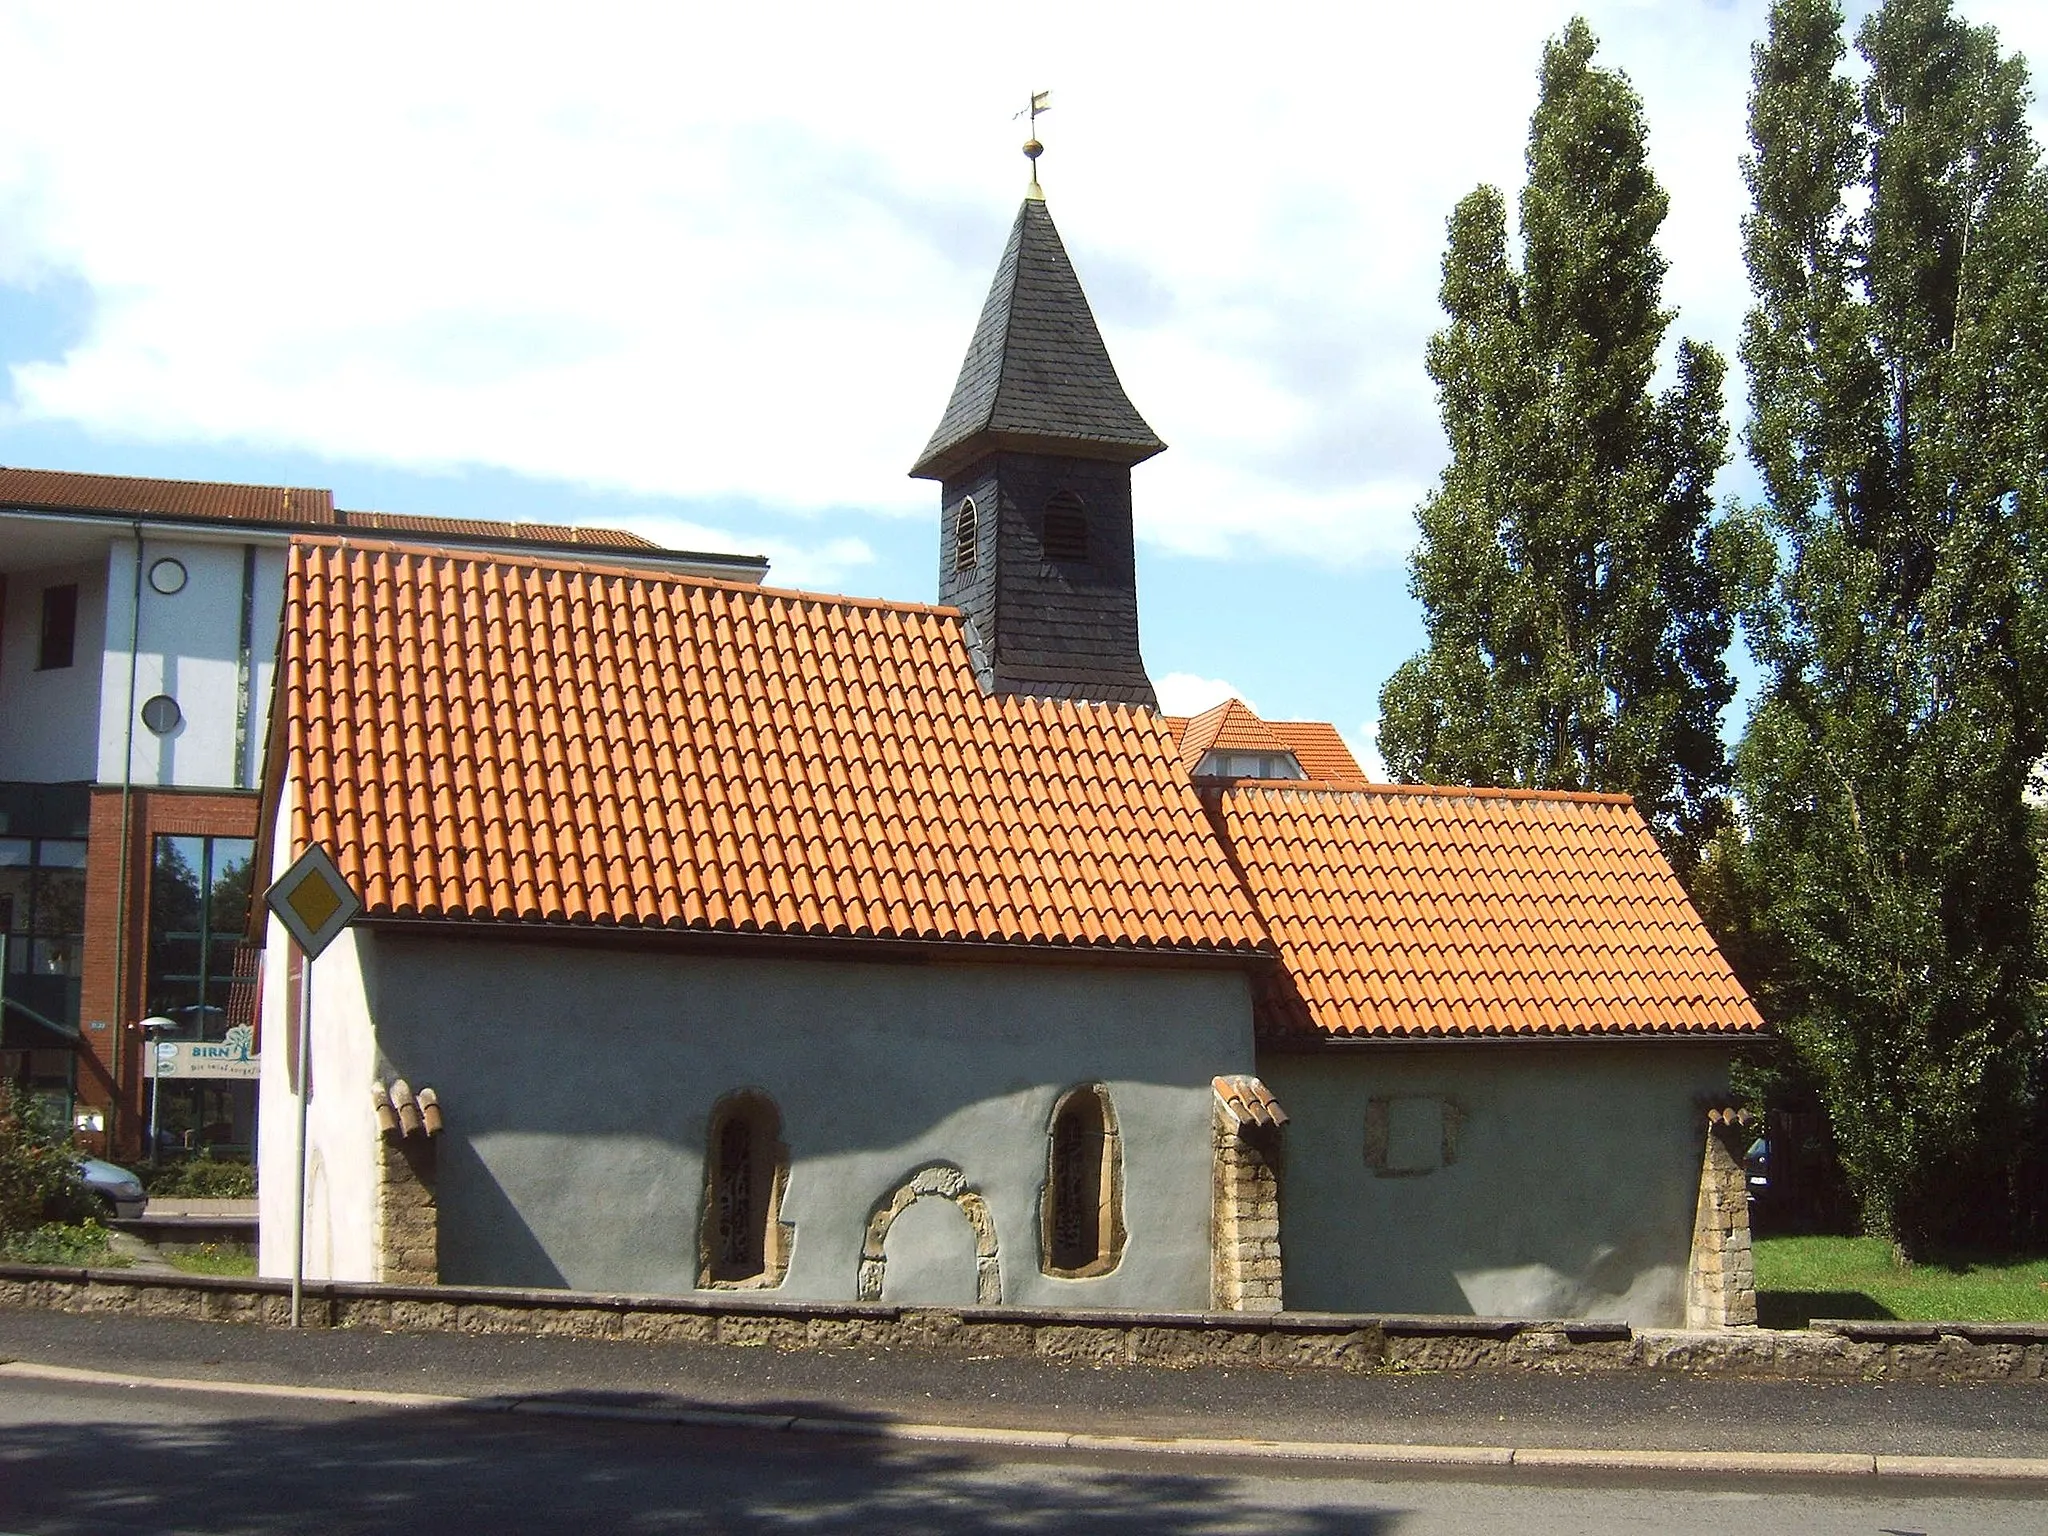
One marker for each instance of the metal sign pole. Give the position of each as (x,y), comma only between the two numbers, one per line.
(299,1161)
(314,902)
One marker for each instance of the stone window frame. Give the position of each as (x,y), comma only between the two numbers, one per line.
(766,1262)
(1101,1180)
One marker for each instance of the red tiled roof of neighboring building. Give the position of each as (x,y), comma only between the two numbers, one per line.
(1316,745)
(196,499)
(1420,912)
(492,528)
(285,508)
(487,736)
(1226,727)
(1319,749)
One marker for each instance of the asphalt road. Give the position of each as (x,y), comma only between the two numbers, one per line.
(111,1460)
(1627,1410)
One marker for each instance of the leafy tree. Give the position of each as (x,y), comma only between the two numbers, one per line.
(1577,626)
(1898,363)
(37,1166)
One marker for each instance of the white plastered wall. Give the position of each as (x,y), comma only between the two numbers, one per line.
(188,645)
(341,1131)
(49,721)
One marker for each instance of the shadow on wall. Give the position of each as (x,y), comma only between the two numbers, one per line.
(486,1221)
(372,1472)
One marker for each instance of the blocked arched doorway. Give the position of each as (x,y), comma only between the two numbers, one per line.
(934,1181)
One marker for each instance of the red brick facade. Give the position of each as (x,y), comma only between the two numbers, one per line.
(111,984)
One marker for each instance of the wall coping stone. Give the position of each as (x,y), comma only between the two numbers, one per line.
(1831,1348)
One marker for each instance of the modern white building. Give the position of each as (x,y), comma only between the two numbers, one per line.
(138,634)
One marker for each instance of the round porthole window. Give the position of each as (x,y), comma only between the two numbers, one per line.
(161,714)
(168,576)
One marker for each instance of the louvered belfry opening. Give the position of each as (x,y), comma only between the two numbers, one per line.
(1040,437)
(1064,531)
(966,535)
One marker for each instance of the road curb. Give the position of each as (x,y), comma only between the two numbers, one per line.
(1353,1453)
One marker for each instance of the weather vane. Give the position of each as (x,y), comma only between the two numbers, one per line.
(1041,101)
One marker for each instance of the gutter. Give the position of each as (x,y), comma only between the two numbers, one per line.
(811,946)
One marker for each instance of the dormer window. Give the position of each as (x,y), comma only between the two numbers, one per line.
(1065,533)
(1249,765)
(966,535)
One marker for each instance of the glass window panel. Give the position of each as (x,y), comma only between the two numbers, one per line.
(56,957)
(14,899)
(60,852)
(16,851)
(60,901)
(233,863)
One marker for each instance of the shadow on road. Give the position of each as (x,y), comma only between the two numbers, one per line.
(443,1472)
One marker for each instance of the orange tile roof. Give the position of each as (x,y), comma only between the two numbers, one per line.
(1407,911)
(497,737)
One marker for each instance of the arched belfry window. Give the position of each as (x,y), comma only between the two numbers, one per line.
(1064,535)
(1082,1209)
(741,1240)
(966,536)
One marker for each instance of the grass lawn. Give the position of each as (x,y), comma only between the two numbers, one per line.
(212,1259)
(1801,1278)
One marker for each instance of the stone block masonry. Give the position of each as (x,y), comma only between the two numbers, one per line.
(1831,1351)
(1720,1287)
(1245,1242)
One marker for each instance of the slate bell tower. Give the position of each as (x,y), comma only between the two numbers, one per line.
(1034,455)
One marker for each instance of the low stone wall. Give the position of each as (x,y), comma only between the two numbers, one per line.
(1319,1341)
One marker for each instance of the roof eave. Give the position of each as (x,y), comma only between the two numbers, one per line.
(942,461)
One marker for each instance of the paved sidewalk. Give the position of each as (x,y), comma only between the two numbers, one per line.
(1524,1418)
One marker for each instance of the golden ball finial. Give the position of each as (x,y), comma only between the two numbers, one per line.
(1032,150)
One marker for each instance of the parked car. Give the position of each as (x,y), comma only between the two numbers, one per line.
(1756,1168)
(118,1191)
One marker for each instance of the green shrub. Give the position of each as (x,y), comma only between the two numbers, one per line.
(83,1244)
(203,1177)
(38,1165)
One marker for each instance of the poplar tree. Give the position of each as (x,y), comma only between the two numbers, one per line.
(1898,364)
(1577,627)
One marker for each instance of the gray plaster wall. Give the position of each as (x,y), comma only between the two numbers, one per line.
(578,1082)
(1570,1189)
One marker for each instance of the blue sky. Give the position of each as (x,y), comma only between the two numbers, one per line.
(709,275)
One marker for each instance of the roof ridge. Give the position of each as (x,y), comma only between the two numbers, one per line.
(488,555)
(1446,791)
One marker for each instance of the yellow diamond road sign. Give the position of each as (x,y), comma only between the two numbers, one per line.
(313,901)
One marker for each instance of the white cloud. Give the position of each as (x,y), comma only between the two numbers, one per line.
(1186,693)
(670,251)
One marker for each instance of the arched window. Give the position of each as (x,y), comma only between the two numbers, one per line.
(1082,1209)
(966,535)
(741,1239)
(1065,532)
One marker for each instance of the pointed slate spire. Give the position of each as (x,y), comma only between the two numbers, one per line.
(1034,462)
(1037,378)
